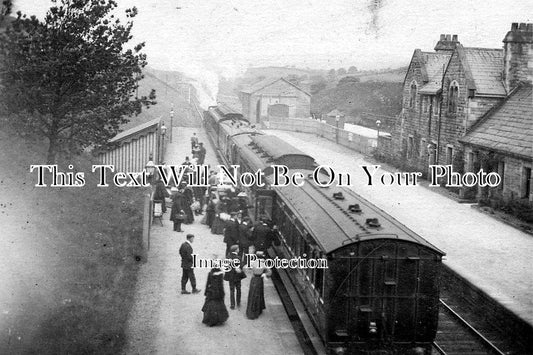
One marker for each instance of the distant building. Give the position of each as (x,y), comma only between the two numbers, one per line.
(274,98)
(451,95)
(336,119)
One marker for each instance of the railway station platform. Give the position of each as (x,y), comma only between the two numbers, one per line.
(163,321)
(491,255)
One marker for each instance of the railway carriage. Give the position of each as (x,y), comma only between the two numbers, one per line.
(380,292)
(222,123)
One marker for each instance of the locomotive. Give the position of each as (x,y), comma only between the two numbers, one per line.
(380,292)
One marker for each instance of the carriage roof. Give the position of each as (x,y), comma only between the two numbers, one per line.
(333,226)
(225,113)
(277,148)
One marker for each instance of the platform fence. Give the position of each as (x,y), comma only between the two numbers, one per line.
(357,142)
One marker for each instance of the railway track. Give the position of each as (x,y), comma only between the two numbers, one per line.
(457,336)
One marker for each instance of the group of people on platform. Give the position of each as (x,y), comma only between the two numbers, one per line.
(214,308)
(197,150)
(226,213)
(241,237)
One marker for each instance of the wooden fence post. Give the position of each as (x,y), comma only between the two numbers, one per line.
(147,221)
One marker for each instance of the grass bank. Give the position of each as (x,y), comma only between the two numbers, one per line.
(74,250)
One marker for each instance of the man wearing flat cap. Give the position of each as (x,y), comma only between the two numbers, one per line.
(231,232)
(187,265)
(234,277)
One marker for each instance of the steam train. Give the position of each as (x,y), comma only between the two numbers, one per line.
(380,292)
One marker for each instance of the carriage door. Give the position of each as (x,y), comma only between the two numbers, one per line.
(233,153)
(264,202)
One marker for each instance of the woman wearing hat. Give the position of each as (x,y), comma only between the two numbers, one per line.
(177,214)
(215,311)
(256,294)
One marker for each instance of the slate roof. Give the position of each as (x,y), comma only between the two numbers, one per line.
(334,113)
(267,82)
(433,65)
(485,66)
(507,129)
(259,85)
(147,126)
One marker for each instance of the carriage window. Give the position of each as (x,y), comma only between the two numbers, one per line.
(264,206)
(283,225)
(291,235)
(297,242)
(319,277)
(311,271)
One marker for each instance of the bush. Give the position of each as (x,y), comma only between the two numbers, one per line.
(522,210)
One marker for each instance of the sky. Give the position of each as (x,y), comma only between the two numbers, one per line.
(211,38)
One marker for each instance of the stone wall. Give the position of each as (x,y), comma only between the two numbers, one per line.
(512,173)
(351,140)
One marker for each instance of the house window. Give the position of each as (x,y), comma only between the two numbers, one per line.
(425,104)
(470,161)
(410,146)
(436,105)
(453,95)
(449,155)
(423,147)
(501,172)
(412,94)
(526,182)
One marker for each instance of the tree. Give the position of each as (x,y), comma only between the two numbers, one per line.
(317,87)
(348,80)
(341,71)
(352,70)
(5,10)
(293,78)
(70,77)
(332,75)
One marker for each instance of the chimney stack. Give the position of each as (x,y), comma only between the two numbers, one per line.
(518,55)
(447,43)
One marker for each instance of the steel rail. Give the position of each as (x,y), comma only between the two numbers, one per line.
(487,343)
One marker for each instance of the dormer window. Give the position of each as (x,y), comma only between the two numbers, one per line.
(412,94)
(425,103)
(453,95)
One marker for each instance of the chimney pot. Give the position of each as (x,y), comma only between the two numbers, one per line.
(522,27)
(454,38)
(442,37)
(448,37)
(514,26)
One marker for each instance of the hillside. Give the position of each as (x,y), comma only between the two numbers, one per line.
(356,99)
(277,72)
(170,89)
(69,256)
(387,75)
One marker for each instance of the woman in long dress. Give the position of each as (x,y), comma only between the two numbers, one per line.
(214,309)
(211,211)
(218,225)
(176,212)
(256,294)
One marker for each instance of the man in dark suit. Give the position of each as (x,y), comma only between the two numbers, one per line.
(187,266)
(231,232)
(234,276)
(260,236)
(245,232)
(201,153)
